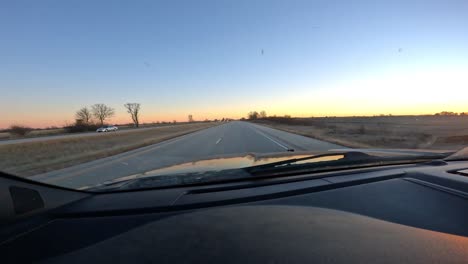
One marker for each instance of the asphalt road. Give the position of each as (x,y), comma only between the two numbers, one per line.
(230,138)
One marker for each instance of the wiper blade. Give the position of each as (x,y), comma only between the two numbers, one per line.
(352,155)
(348,160)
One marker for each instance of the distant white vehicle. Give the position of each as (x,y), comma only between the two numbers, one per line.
(107,129)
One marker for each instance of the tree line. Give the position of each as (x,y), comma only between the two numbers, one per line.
(449,113)
(102,112)
(256,115)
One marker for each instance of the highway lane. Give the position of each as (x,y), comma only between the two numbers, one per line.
(230,138)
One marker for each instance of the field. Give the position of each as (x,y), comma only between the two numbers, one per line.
(428,132)
(34,133)
(37,157)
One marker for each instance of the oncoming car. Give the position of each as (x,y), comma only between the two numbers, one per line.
(107,129)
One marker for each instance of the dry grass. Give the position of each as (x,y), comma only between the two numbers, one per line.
(47,132)
(428,132)
(33,133)
(33,158)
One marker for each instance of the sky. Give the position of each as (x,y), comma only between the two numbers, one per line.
(216,59)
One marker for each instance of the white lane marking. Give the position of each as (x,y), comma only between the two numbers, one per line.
(219,140)
(277,143)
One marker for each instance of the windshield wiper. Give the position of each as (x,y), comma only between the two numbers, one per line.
(352,155)
(349,159)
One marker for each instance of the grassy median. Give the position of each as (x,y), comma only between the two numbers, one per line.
(31,158)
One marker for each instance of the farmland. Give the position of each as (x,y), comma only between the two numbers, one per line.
(428,132)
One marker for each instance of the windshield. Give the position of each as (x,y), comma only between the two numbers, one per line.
(97,91)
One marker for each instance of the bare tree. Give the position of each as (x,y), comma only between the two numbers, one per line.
(263,114)
(19,130)
(84,114)
(134,110)
(102,112)
(190,118)
(253,115)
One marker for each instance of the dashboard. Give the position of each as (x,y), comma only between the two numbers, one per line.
(392,214)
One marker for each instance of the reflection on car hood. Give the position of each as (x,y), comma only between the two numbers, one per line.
(225,162)
(215,163)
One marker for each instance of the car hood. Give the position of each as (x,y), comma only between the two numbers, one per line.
(225,162)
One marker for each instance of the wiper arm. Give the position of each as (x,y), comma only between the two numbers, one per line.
(352,155)
(347,159)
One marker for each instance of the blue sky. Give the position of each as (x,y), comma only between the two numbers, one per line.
(205,58)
